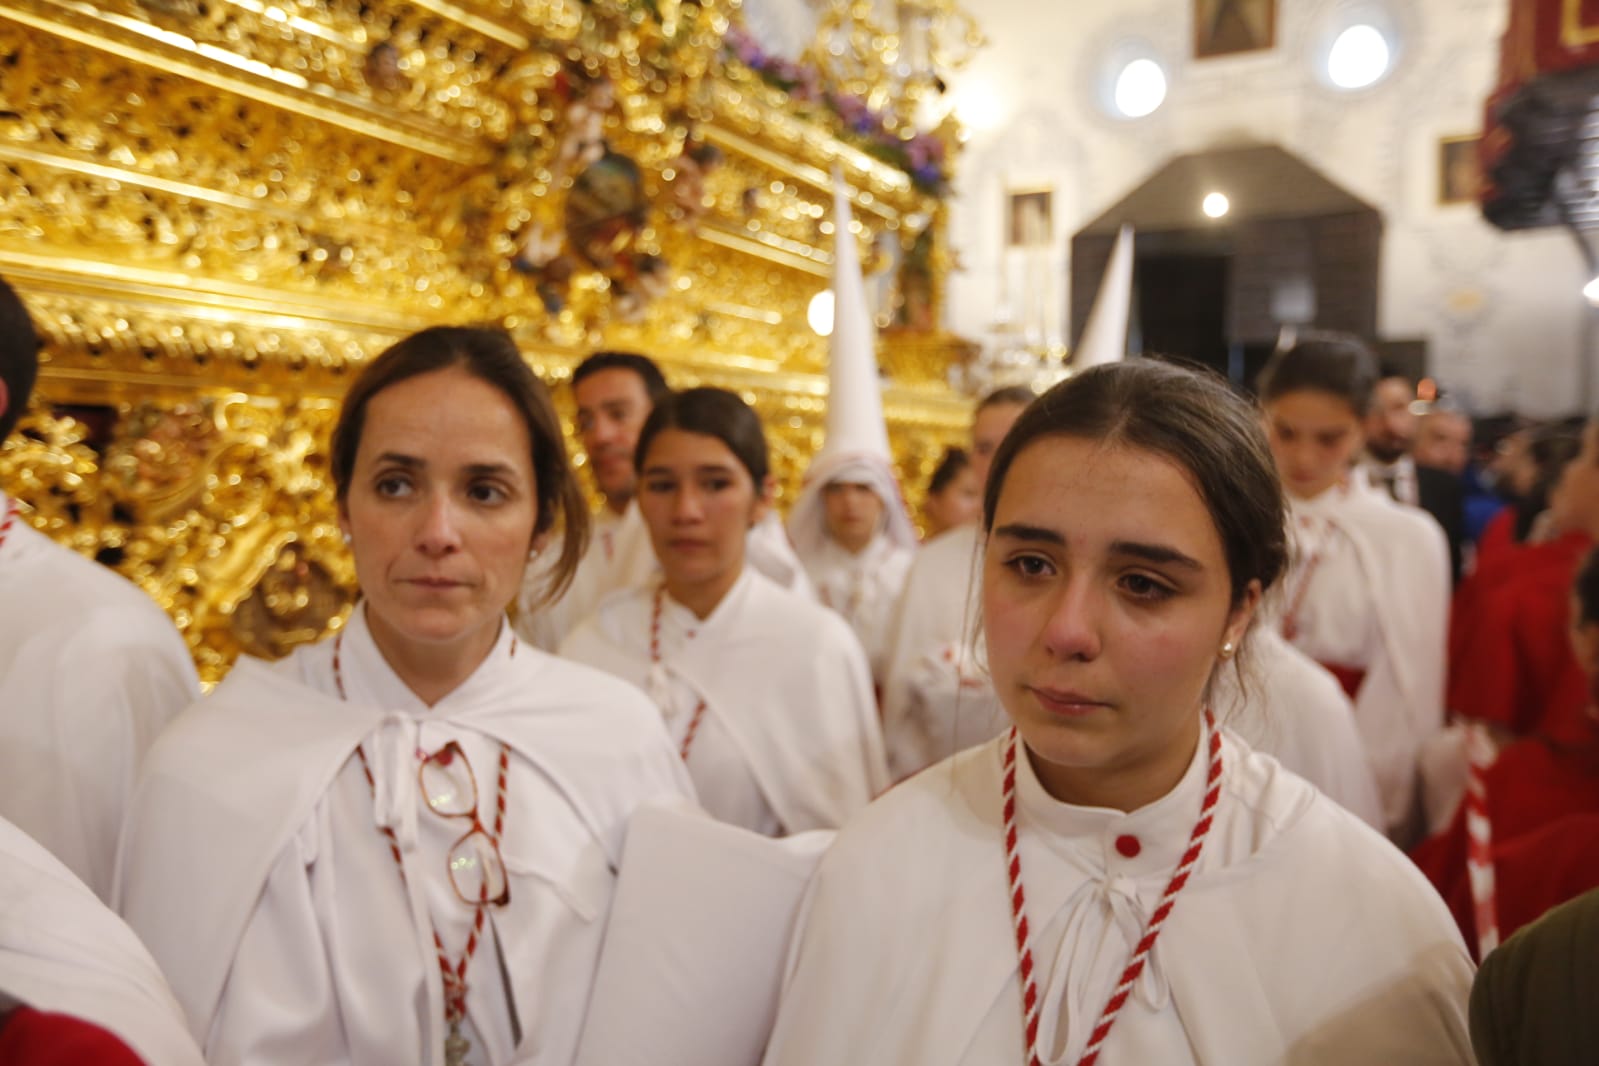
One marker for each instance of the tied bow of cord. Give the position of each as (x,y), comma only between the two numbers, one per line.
(391,752)
(1089,961)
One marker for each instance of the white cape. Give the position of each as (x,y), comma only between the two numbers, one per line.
(63,951)
(1302,936)
(1404,560)
(1292,709)
(91,670)
(926,714)
(783,676)
(864,589)
(694,950)
(233,784)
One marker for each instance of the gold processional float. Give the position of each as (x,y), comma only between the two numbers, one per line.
(216,210)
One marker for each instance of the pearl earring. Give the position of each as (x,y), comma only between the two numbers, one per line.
(1227,650)
(346,536)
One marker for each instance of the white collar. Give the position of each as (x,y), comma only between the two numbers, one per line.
(1089,834)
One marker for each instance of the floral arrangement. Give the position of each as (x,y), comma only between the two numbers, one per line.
(921,156)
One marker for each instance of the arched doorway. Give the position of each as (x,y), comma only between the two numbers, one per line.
(1293,248)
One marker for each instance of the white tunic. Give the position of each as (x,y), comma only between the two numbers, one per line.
(65,952)
(927,715)
(90,671)
(789,739)
(1371,582)
(254,865)
(1302,935)
(864,588)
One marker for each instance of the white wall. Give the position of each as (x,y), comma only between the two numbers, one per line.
(1503,312)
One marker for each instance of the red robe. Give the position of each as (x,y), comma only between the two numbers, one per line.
(1511,662)
(1533,786)
(34,1038)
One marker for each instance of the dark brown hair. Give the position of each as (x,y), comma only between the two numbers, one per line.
(1339,364)
(654,381)
(948,469)
(710,412)
(19,358)
(1007,396)
(1190,417)
(492,357)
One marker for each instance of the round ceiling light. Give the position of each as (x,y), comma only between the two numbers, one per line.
(1359,57)
(1140,88)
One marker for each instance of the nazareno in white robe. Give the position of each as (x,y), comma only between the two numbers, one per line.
(1378,600)
(789,740)
(90,671)
(65,952)
(1302,936)
(864,588)
(254,867)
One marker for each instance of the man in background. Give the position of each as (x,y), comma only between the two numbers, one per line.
(1390,466)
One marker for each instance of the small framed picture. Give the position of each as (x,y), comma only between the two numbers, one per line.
(1231,27)
(1459,172)
(1029,217)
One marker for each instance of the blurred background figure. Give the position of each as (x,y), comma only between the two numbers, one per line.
(954,495)
(1392,431)
(1540,799)
(1443,440)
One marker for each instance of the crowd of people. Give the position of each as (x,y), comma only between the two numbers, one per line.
(1199,728)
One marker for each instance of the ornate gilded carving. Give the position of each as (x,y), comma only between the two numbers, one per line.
(217,209)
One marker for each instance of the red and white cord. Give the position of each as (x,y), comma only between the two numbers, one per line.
(1480,754)
(7,519)
(655,659)
(1140,956)
(452,974)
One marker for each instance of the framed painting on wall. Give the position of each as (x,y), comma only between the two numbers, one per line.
(1459,173)
(1232,27)
(1029,217)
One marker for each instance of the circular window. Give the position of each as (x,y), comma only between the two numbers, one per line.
(1359,57)
(1140,88)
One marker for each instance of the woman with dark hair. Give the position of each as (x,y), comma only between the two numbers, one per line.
(766,693)
(1367,589)
(399,844)
(1117,875)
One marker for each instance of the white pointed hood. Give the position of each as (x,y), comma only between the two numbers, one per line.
(856,445)
(1104,338)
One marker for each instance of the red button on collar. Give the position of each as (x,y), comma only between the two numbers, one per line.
(1128,846)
